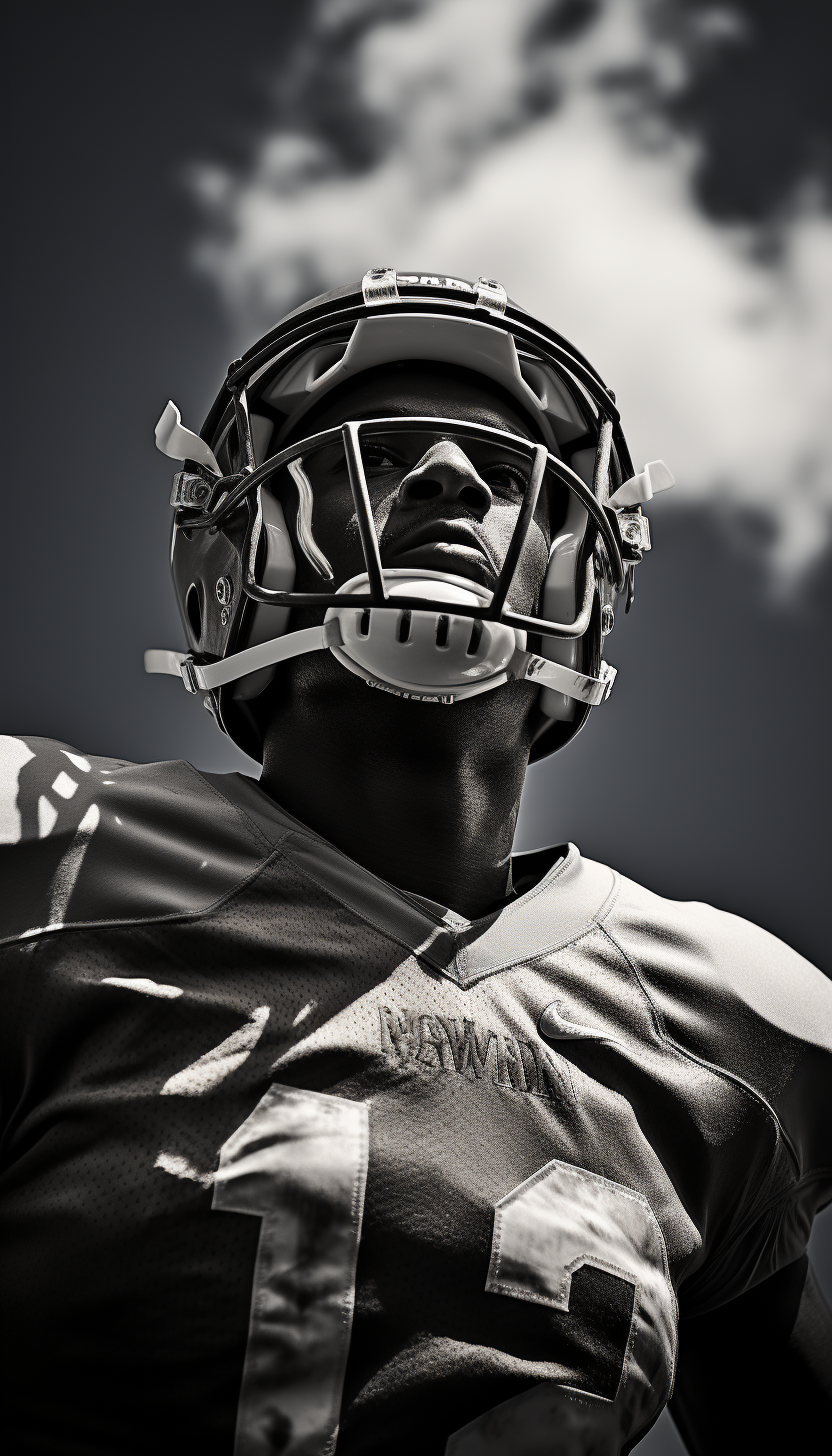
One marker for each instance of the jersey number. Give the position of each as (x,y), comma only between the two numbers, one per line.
(299,1164)
(549,1232)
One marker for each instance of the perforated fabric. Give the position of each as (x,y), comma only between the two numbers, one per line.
(208,949)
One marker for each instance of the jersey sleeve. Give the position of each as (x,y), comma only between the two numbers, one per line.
(87,840)
(737,1000)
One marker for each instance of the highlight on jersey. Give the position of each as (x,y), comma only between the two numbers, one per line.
(424,635)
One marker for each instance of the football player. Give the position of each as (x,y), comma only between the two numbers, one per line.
(330,1124)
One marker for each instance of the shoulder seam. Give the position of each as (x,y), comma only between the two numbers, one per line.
(223,798)
(30,937)
(733,1077)
(360,914)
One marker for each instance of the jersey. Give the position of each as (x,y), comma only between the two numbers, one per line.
(296,1162)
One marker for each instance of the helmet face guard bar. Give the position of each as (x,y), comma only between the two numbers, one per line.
(204,502)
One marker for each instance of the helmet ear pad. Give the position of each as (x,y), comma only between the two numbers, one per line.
(207,570)
(208,581)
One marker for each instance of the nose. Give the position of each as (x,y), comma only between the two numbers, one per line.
(445,472)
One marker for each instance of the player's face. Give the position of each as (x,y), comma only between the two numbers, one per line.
(438,503)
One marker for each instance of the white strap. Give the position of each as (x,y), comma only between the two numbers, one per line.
(578,685)
(174,440)
(159,659)
(491,295)
(592,690)
(266,654)
(641,488)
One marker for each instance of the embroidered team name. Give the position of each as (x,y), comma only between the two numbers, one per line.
(456,1044)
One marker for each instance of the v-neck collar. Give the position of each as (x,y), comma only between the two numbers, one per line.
(570,895)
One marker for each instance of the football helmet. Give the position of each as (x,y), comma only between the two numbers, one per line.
(428,636)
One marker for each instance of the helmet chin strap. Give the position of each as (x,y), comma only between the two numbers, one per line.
(435,654)
(523,665)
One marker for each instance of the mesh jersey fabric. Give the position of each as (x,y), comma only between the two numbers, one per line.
(593,1080)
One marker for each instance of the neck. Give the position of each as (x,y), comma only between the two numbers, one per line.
(423,795)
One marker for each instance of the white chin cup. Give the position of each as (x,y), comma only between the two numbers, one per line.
(425,654)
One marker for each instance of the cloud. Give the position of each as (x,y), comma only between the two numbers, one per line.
(531,142)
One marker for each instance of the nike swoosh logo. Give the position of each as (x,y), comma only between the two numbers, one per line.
(555,1026)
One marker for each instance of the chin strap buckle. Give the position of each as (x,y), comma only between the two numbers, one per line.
(578,685)
(188,671)
(634,531)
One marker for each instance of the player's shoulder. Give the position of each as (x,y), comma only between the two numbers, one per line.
(724,961)
(738,999)
(85,839)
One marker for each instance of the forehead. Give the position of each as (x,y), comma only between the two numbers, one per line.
(420,390)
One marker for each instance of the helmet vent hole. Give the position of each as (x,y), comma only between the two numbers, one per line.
(403,633)
(475,638)
(442,628)
(364,624)
(193,610)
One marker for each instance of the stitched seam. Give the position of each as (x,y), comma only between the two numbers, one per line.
(732,1077)
(582,1175)
(573,939)
(585,1176)
(255,828)
(540,955)
(27,938)
(360,914)
(544,885)
(520,905)
(515,1291)
(463,955)
(611,900)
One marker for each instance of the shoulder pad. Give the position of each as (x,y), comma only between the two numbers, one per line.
(85,840)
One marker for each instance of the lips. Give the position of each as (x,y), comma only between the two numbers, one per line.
(456,541)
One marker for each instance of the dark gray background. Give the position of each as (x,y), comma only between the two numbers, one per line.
(704,777)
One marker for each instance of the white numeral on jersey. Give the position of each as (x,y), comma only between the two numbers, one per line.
(555,1223)
(299,1163)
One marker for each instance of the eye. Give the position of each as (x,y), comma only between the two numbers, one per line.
(380,457)
(506,480)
